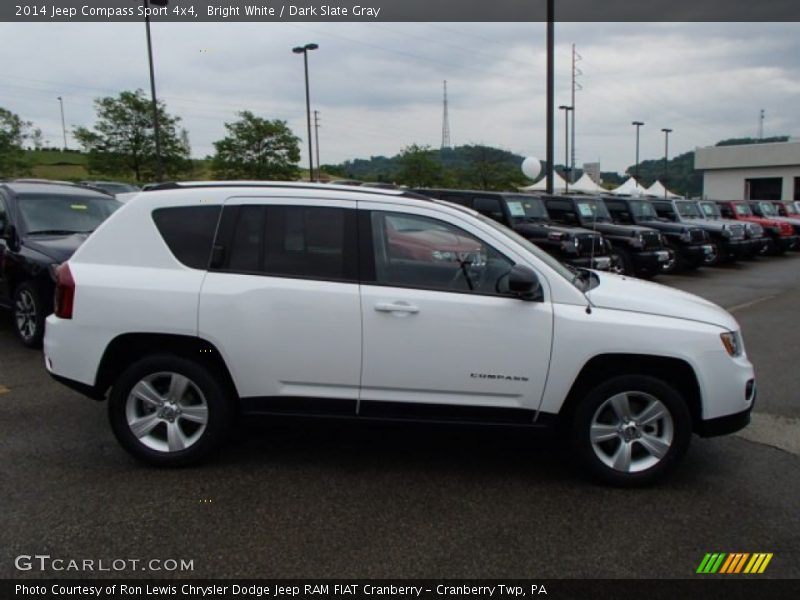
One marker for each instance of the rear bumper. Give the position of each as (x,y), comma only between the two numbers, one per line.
(87,390)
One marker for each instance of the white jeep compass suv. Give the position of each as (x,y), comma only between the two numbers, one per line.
(195,302)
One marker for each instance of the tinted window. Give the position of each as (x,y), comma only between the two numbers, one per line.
(290,241)
(665,210)
(188,232)
(455,199)
(489,207)
(419,252)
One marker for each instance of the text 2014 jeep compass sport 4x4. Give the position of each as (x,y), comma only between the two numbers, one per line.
(197,301)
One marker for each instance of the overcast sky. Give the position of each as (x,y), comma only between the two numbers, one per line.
(378,86)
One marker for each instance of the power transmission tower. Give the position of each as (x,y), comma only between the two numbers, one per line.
(576,72)
(761,125)
(316,140)
(445,122)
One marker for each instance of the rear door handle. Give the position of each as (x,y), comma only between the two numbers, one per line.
(396,307)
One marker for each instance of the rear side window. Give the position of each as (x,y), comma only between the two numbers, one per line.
(189,232)
(306,242)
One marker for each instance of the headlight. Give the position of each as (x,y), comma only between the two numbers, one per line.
(686,236)
(732,343)
(638,240)
(726,233)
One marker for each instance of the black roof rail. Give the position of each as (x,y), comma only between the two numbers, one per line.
(173,185)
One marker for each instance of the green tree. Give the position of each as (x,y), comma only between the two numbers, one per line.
(122,142)
(418,166)
(488,168)
(257,148)
(12,136)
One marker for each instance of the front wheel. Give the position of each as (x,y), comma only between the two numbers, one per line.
(630,430)
(169,411)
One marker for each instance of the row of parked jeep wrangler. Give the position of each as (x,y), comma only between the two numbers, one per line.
(642,237)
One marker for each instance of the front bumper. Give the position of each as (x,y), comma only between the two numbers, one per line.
(600,263)
(649,260)
(696,254)
(736,248)
(730,423)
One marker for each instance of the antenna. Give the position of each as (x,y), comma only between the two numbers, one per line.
(445,122)
(576,72)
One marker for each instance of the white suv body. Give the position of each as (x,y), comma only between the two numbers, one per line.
(304,299)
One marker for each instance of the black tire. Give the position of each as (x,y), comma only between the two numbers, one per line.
(29,309)
(670,435)
(624,260)
(673,264)
(203,387)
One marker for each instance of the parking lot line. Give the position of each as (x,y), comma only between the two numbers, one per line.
(733,309)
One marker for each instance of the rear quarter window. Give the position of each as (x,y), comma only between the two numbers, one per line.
(188,232)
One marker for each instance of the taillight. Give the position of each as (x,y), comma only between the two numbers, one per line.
(65,292)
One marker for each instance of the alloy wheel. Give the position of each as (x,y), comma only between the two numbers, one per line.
(25,314)
(631,432)
(166,412)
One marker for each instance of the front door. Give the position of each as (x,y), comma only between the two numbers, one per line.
(440,330)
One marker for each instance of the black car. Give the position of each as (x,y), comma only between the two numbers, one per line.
(690,245)
(527,216)
(639,250)
(41,225)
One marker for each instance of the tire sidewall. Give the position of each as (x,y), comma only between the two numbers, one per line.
(219,411)
(584,413)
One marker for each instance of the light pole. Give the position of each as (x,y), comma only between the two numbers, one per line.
(63,123)
(156,128)
(666,157)
(550,94)
(304,51)
(567,170)
(637,124)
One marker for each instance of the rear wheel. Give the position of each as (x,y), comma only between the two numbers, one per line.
(169,411)
(630,430)
(29,314)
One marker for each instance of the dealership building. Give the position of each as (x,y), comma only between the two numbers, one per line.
(750,172)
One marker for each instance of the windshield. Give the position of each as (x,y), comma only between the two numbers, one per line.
(768,209)
(592,210)
(790,209)
(643,210)
(743,210)
(525,208)
(710,209)
(689,210)
(64,214)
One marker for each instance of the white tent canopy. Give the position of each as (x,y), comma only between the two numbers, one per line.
(559,185)
(630,188)
(659,191)
(586,185)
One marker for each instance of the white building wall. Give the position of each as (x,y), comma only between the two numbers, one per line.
(729,184)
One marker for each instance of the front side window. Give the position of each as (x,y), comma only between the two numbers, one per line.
(63,214)
(489,207)
(306,242)
(420,252)
(665,210)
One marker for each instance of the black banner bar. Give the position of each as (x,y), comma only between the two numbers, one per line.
(707,587)
(401,10)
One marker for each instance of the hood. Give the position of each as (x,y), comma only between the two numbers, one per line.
(664,225)
(539,228)
(625,293)
(57,247)
(621,230)
(707,224)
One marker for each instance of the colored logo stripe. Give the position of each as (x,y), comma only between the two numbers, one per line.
(720,562)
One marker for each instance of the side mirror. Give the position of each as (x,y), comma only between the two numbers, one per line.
(523,283)
(10,237)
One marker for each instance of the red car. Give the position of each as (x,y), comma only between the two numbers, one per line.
(431,245)
(780,233)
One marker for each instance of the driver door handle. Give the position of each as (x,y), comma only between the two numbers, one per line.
(396,307)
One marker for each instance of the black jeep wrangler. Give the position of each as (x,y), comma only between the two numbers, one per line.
(527,215)
(639,250)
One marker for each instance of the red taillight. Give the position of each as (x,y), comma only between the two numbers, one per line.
(65,292)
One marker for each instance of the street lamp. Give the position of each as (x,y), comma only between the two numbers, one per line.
(566,110)
(666,158)
(156,128)
(63,124)
(304,51)
(637,124)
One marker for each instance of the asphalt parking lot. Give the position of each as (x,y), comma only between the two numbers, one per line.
(346,500)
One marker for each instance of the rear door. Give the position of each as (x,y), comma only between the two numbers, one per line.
(281,303)
(5,226)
